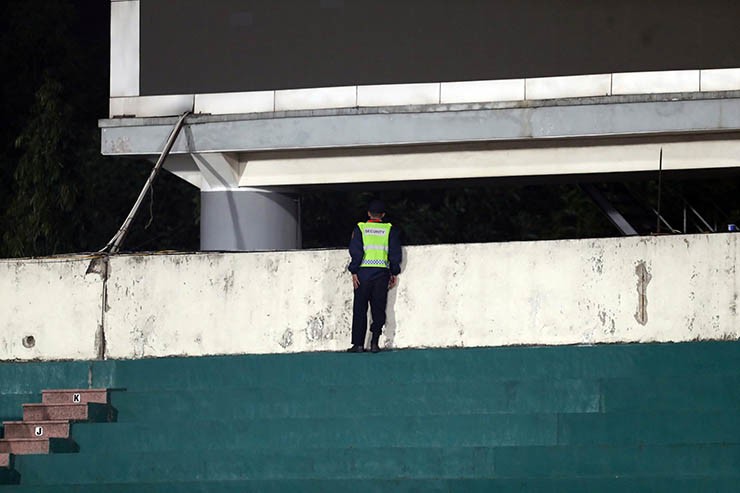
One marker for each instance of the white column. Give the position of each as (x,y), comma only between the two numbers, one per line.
(249,220)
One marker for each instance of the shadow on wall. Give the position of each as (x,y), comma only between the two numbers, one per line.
(390,322)
(389,330)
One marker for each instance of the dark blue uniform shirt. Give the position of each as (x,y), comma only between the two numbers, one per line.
(357,251)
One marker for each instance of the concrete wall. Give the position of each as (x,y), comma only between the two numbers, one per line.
(427,93)
(677,288)
(55,302)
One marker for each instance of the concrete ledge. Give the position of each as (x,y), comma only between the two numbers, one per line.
(52,301)
(431,124)
(658,289)
(618,290)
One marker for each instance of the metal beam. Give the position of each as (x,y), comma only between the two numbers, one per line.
(615,217)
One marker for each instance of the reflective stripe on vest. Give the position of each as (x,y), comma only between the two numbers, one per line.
(375,242)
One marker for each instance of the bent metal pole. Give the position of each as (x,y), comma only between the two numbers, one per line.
(117,240)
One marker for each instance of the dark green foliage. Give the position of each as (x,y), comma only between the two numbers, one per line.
(459,215)
(506,212)
(47,180)
(57,193)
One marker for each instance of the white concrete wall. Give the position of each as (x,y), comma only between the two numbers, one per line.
(487,91)
(124,48)
(55,302)
(227,303)
(559,292)
(555,292)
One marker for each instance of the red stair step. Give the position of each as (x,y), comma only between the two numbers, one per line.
(27,446)
(5,460)
(23,446)
(71,412)
(74,396)
(36,429)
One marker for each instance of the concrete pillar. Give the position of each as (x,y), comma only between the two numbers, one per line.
(249,220)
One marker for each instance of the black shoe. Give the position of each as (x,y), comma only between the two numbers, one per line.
(374,348)
(356,348)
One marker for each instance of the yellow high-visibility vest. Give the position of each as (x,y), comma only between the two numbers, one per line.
(375,242)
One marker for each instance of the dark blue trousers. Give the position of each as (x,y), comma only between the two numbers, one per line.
(375,292)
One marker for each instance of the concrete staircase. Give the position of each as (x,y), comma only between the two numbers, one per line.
(45,428)
(647,417)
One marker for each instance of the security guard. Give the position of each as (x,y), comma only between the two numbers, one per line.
(375,251)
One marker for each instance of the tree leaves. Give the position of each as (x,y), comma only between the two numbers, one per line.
(59,194)
(451,214)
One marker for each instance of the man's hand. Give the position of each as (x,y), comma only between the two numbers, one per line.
(393,282)
(355,281)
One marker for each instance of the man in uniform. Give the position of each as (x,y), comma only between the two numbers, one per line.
(375,251)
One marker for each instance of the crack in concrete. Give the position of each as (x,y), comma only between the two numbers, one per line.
(643,278)
(101,266)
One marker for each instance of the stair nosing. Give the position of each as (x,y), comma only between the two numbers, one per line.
(67,404)
(32,439)
(36,421)
(74,390)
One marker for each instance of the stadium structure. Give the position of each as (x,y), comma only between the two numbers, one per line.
(606,364)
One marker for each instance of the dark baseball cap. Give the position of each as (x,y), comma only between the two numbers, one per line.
(376,206)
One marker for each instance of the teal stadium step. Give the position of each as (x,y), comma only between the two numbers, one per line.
(641,417)
(372,463)
(551,485)
(8,475)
